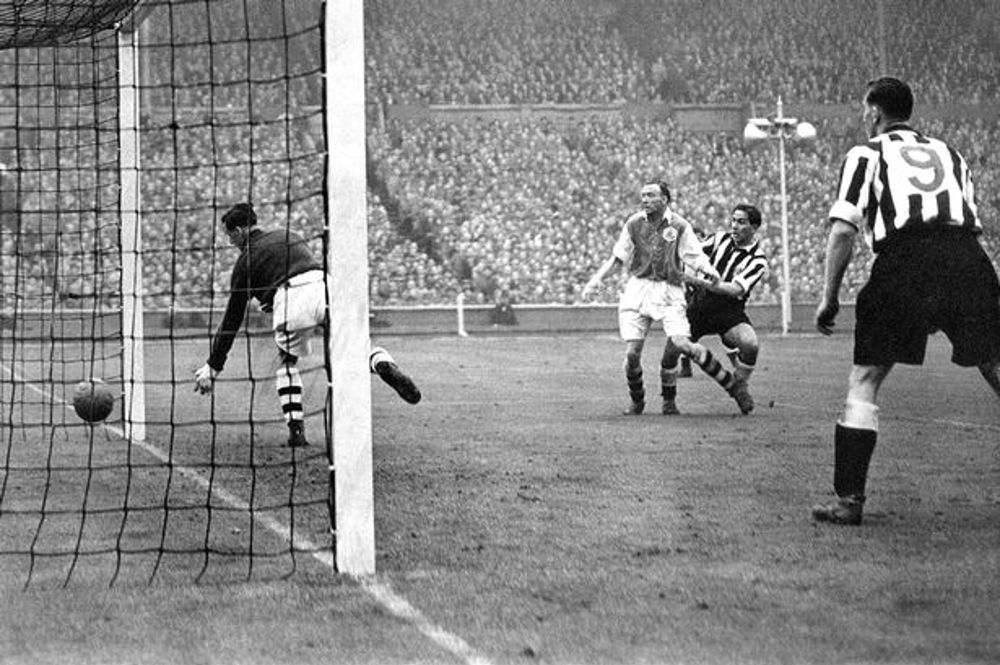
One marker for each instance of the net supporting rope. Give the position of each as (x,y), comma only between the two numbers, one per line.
(230,99)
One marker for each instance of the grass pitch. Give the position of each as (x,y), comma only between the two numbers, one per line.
(517,511)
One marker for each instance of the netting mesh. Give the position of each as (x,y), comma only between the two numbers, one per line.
(50,22)
(230,105)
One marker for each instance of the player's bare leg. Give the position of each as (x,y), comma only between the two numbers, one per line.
(855,436)
(633,377)
(668,379)
(742,348)
(991,372)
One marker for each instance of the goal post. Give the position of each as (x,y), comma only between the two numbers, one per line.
(128,128)
(133,312)
(347,258)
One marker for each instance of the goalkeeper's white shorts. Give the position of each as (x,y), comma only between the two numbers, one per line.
(644,301)
(299,306)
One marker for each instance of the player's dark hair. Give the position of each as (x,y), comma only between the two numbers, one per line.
(753,214)
(241,214)
(662,184)
(892,96)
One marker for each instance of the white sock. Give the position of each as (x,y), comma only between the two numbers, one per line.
(378,355)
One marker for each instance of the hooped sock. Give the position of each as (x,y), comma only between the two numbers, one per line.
(289,384)
(633,378)
(711,366)
(668,382)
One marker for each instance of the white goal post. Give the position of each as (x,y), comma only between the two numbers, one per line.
(347,258)
(133,364)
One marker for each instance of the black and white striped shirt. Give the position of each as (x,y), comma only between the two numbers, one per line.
(745,266)
(903,179)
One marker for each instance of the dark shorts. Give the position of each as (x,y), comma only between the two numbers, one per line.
(713,314)
(924,283)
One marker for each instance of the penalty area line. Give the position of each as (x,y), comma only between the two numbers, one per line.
(381,592)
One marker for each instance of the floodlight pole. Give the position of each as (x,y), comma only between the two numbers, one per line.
(781,128)
(786,263)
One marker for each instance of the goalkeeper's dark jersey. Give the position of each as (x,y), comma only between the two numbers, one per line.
(269,260)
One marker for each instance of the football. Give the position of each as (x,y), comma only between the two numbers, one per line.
(93,400)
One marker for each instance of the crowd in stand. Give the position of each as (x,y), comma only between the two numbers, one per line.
(702,51)
(530,207)
(534,207)
(527,206)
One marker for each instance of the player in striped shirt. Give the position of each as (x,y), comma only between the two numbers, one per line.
(912,197)
(656,246)
(720,308)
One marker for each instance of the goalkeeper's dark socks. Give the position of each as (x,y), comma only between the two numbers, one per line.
(853,450)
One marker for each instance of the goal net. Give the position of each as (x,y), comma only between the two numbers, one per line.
(127,129)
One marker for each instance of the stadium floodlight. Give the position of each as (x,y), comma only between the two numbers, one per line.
(756,131)
(782,129)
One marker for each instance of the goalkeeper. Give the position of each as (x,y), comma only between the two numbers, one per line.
(655,246)
(278,270)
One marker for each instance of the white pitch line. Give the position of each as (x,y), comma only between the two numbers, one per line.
(380,591)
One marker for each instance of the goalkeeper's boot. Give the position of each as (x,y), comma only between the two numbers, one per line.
(741,394)
(398,381)
(845,510)
(297,434)
(670,408)
(634,408)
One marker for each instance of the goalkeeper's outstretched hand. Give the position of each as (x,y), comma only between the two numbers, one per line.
(826,314)
(204,378)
